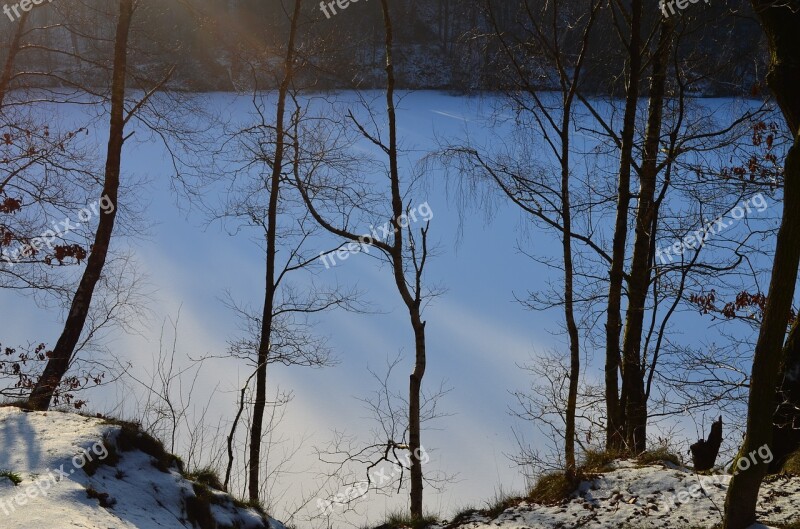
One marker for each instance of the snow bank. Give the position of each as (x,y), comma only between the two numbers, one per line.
(640,497)
(51,456)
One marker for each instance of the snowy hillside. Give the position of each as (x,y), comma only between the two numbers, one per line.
(60,470)
(639,497)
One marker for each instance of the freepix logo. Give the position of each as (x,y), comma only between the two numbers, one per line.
(699,237)
(59,231)
(380,234)
(672,4)
(341,4)
(13,12)
(746,461)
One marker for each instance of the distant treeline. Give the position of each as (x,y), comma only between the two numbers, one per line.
(440,44)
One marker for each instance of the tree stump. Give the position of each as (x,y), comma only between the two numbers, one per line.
(704,452)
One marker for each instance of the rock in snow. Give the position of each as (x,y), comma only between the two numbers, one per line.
(61,470)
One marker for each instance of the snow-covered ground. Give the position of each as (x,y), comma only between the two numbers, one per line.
(634,497)
(48,453)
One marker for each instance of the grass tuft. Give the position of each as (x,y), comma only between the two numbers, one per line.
(132,437)
(205,476)
(256,505)
(462,515)
(553,488)
(500,503)
(15,478)
(599,461)
(792,465)
(401,519)
(659,455)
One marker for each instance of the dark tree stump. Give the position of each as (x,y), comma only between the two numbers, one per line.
(704,452)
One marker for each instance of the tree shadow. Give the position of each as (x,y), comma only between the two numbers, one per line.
(16,435)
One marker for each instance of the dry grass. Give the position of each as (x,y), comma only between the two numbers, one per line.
(599,461)
(792,464)
(659,455)
(553,488)
(401,520)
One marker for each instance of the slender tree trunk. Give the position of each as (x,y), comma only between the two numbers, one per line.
(257,427)
(633,370)
(569,311)
(780,22)
(411,299)
(414,429)
(566,214)
(61,357)
(232,433)
(615,429)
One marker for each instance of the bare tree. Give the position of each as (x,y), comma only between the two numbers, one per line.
(271,239)
(65,347)
(633,386)
(121,111)
(568,53)
(261,194)
(405,252)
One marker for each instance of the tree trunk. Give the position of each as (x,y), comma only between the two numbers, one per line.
(257,427)
(414,424)
(569,291)
(61,357)
(615,429)
(633,370)
(569,311)
(413,300)
(740,503)
(780,22)
(786,424)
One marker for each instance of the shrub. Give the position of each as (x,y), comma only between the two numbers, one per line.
(111,459)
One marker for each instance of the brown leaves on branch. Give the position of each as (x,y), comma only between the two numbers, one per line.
(746,306)
(10,205)
(24,366)
(763,167)
(62,252)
